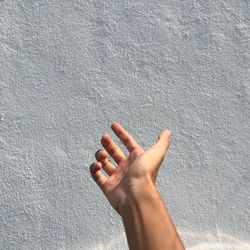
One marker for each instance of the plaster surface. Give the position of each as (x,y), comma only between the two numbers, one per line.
(68,69)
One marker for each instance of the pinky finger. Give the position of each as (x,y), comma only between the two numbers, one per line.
(97,175)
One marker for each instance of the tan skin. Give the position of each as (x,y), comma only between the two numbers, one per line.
(131,191)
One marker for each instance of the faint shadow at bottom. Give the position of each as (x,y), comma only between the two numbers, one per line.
(192,240)
(212,241)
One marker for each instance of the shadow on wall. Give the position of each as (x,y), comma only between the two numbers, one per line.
(192,240)
(215,240)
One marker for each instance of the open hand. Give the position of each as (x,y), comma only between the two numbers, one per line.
(134,172)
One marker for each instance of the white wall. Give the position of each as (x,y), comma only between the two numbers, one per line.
(68,69)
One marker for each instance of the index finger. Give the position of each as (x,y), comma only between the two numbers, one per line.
(129,142)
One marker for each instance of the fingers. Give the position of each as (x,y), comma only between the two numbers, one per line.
(102,156)
(113,150)
(97,175)
(129,142)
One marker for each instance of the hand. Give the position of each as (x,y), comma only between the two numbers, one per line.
(134,173)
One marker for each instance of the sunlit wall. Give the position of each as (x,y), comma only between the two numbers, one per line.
(68,69)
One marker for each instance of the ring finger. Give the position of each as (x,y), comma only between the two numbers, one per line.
(102,156)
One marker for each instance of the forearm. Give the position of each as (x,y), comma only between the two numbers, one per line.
(147,223)
(130,190)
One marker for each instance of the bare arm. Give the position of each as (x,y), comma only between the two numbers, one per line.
(130,189)
(148,224)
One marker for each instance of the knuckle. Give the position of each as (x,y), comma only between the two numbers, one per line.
(127,141)
(112,149)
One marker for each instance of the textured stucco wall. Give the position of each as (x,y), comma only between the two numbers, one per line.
(70,68)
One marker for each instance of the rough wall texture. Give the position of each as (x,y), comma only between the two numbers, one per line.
(68,69)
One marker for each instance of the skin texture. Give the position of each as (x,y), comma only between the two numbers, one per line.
(131,191)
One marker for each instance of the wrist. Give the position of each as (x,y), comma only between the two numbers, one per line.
(138,195)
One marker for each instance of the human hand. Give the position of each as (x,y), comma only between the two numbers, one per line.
(134,173)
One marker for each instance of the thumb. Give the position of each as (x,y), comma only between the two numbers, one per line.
(158,150)
(163,141)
